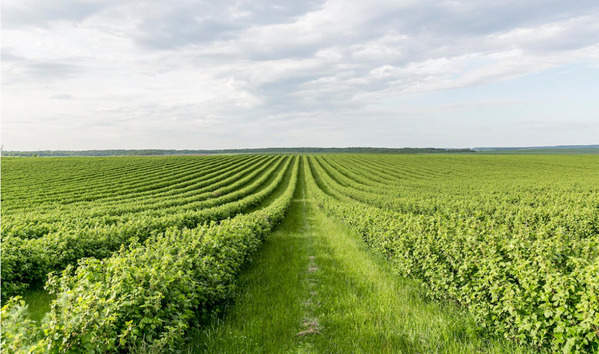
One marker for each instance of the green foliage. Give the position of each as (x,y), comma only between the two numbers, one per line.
(20,334)
(147,294)
(142,247)
(524,267)
(80,233)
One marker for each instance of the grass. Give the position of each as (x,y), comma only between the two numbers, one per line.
(315,287)
(38,299)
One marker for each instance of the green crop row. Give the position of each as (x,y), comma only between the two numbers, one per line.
(32,225)
(228,189)
(39,182)
(109,192)
(146,295)
(571,210)
(28,261)
(537,285)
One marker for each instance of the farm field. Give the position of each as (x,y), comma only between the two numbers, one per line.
(409,253)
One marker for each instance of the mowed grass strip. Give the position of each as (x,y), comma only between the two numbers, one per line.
(315,287)
(268,310)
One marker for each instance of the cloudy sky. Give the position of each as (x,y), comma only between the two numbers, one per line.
(81,74)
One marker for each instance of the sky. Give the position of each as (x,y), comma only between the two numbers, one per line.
(108,74)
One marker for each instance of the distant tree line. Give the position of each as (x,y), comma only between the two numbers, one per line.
(304,150)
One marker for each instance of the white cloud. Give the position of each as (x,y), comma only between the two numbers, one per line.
(196,66)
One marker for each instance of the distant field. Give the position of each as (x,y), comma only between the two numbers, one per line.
(554,151)
(138,250)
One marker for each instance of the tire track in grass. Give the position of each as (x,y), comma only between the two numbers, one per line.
(310,323)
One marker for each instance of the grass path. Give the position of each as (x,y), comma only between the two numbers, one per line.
(315,287)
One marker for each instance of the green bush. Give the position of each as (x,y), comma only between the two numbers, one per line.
(537,285)
(147,294)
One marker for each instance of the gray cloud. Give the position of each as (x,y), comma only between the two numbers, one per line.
(52,70)
(197,22)
(20,72)
(22,13)
(9,56)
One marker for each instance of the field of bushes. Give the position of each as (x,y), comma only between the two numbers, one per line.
(135,250)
